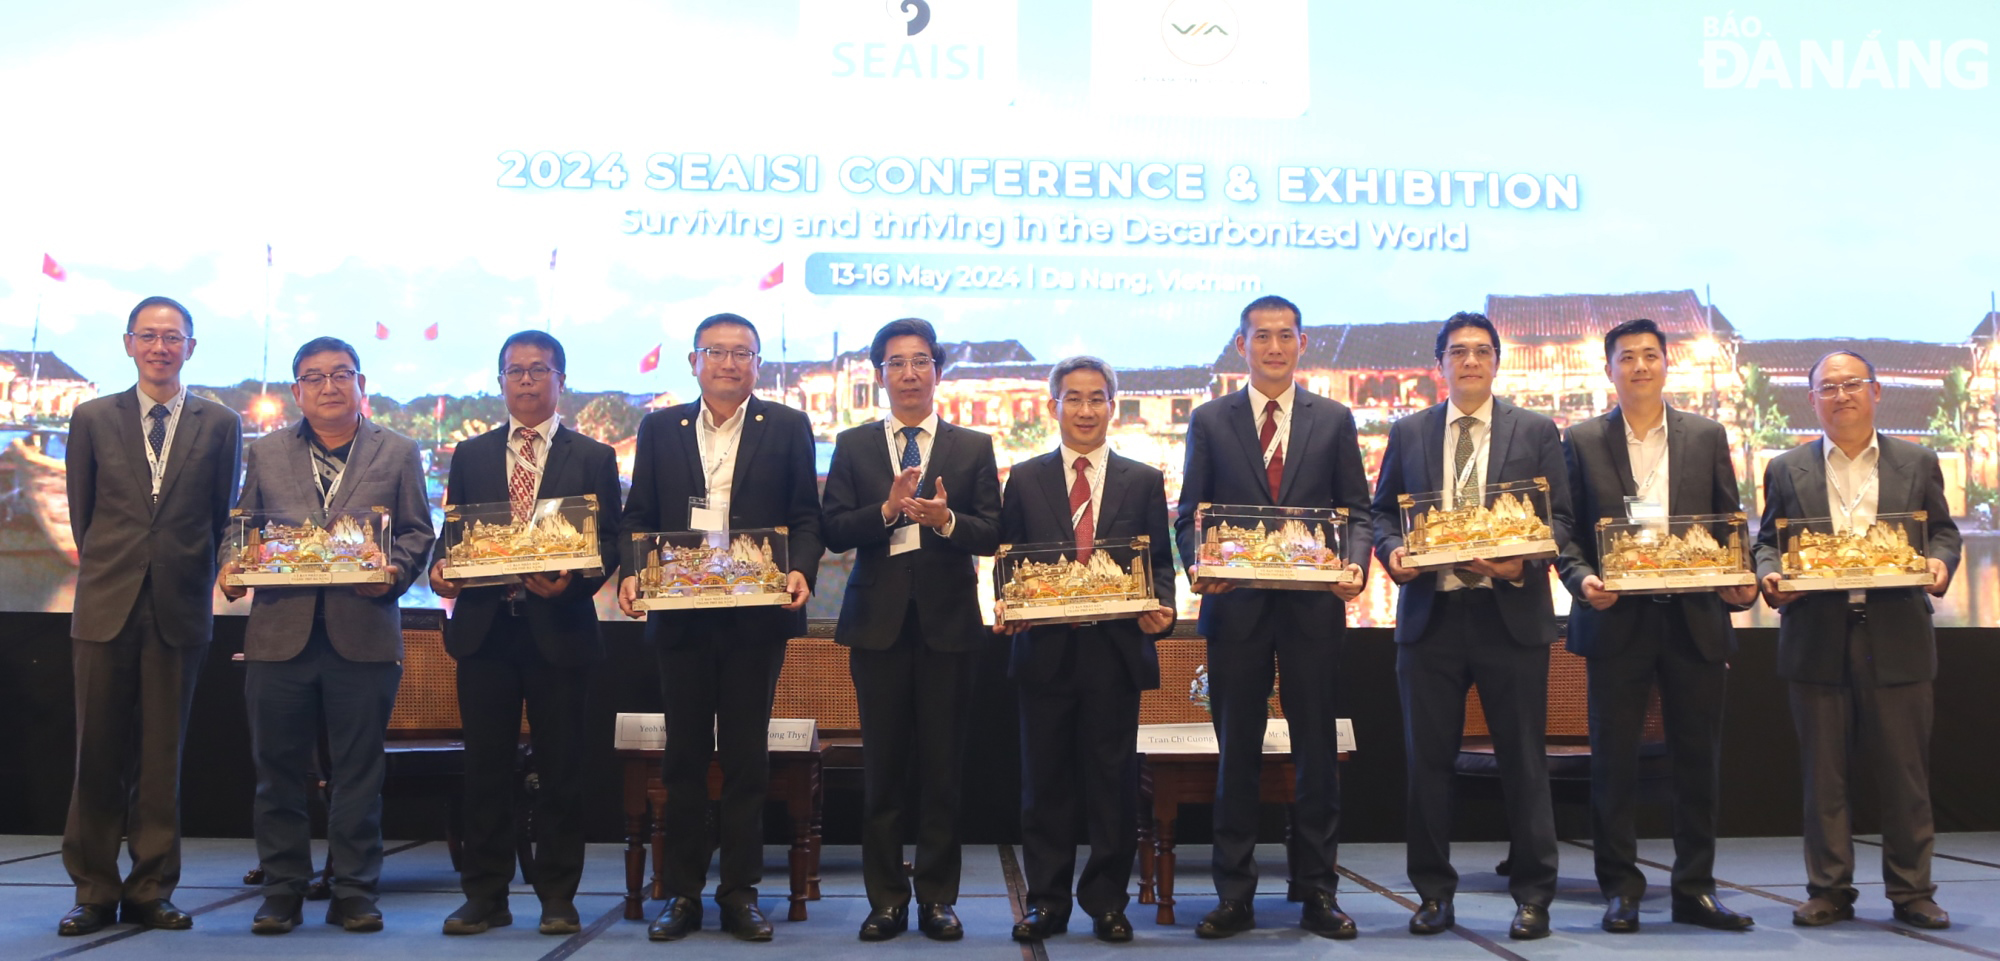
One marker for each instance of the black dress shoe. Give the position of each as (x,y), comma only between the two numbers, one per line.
(680,918)
(559,917)
(1433,917)
(158,913)
(1923,914)
(1707,912)
(939,922)
(1228,918)
(279,914)
(1040,923)
(86,919)
(474,917)
(1322,916)
(1112,927)
(885,923)
(1621,916)
(1530,922)
(746,922)
(354,913)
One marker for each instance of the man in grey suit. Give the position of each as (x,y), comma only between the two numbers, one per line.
(1860,663)
(329,655)
(151,471)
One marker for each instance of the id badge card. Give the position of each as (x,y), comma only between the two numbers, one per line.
(1651,513)
(905,539)
(703,517)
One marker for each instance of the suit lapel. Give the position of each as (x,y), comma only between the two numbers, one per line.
(747,444)
(941,446)
(690,446)
(1503,437)
(1298,446)
(1116,475)
(184,439)
(1243,423)
(134,441)
(559,448)
(1053,488)
(1809,481)
(367,444)
(1683,474)
(1621,456)
(305,476)
(1893,491)
(1433,452)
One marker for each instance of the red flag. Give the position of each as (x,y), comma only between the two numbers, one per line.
(381,331)
(439,416)
(650,362)
(774,278)
(53,269)
(552,257)
(431,332)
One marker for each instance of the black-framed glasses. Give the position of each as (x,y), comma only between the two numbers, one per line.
(1830,391)
(717,355)
(535,374)
(341,378)
(149,338)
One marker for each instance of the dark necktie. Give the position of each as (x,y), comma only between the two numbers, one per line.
(1468,492)
(158,435)
(522,483)
(1079,510)
(1274,460)
(911,456)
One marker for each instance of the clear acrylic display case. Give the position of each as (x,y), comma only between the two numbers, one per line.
(483,544)
(1818,556)
(1049,584)
(1510,520)
(686,570)
(282,550)
(1688,552)
(1288,548)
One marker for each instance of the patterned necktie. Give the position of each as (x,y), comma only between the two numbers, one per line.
(158,435)
(911,456)
(1079,510)
(1274,463)
(1468,493)
(521,485)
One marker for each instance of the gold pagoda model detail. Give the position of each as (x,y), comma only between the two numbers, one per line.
(1046,584)
(1508,520)
(351,547)
(683,570)
(1819,556)
(1287,548)
(1690,552)
(483,543)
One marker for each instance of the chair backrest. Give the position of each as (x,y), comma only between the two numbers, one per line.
(427,701)
(1179,657)
(1569,704)
(815,683)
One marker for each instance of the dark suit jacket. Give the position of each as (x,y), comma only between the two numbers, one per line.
(1524,446)
(1035,510)
(774,485)
(941,573)
(1225,465)
(280,483)
(1812,631)
(122,538)
(1600,478)
(564,627)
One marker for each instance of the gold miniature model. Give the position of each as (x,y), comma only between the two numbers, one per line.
(1511,519)
(1884,548)
(745,566)
(1063,580)
(309,548)
(1649,552)
(1293,544)
(550,536)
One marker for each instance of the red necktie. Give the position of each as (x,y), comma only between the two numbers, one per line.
(1079,510)
(521,485)
(1274,465)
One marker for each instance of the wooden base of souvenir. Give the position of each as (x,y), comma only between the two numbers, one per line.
(1453,556)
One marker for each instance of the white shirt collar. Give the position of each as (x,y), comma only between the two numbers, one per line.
(1097,459)
(146,400)
(1484,412)
(895,427)
(1874,448)
(730,423)
(1632,438)
(547,428)
(1258,399)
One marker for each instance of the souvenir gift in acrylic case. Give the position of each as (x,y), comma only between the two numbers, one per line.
(1049,584)
(274,550)
(483,543)
(681,570)
(1296,548)
(1511,519)
(1819,556)
(1689,552)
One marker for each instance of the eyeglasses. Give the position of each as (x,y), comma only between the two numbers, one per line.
(341,378)
(150,338)
(719,354)
(918,364)
(1093,403)
(535,374)
(1459,355)
(1830,391)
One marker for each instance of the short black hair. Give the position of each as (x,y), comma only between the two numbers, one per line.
(717,320)
(533,338)
(187,319)
(1269,302)
(320,345)
(906,327)
(1637,325)
(1812,373)
(1466,318)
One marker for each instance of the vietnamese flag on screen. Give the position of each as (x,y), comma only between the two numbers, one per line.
(431,332)
(650,362)
(774,278)
(381,331)
(53,269)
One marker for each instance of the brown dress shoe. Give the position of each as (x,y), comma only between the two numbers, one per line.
(1822,911)
(1923,913)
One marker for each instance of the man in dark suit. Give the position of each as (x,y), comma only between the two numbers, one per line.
(1273,443)
(1860,663)
(529,643)
(1079,684)
(1446,626)
(151,472)
(918,499)
(331,654)
(728,461)
(1644,460)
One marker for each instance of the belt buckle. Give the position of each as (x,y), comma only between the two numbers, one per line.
(513,604)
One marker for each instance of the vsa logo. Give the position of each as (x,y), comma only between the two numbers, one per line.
(1200,33)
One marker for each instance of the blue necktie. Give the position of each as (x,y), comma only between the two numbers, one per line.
(158,435)
(911,457)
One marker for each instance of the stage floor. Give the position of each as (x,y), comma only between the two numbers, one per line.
(1760,876)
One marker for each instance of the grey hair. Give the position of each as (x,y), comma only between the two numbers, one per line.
(1812,373)
(1070,365)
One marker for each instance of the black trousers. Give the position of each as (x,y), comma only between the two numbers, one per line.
(1691,694)
(1464,645)
(1080,760)
(493,683)
(1240,679)
(718,683)
(915,703)
(132,699)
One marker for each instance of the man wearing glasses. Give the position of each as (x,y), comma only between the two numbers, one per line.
(728,461)
(917,499)
(1483,622)
(531,642)
(329,655)
(1860,663)
(151,472)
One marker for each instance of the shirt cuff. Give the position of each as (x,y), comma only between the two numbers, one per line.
(949,523)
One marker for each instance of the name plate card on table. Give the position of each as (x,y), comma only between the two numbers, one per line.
(1689,552)
(1510,519)
(1282,548)
(698,570)
(1199,737)
(482,544)
(648,732)
(1050,584)
(1818,556)
(272,549)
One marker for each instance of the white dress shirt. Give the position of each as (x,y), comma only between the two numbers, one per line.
(718,446)
(926,435)
(1853,490)
(158,462)
(1282,440)
(1094,476)
(1648,456)
(547,430)
(1482,442)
